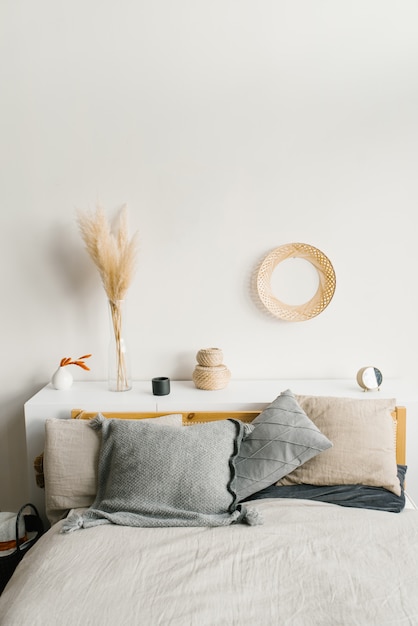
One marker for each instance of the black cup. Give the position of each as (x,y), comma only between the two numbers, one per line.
(161,386)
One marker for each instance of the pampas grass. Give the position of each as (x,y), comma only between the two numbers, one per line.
(114,255)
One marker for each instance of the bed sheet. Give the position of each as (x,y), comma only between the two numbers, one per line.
(309,563)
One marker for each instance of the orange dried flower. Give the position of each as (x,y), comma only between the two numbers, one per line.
(80,361)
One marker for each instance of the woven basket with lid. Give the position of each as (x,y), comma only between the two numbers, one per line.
(211,377)
(210,357)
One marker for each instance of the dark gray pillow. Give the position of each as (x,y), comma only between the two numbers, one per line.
(358,496)
(283,439)
(156,475)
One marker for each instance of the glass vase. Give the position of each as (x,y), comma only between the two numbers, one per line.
(119,376)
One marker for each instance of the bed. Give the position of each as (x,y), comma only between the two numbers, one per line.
(294,516)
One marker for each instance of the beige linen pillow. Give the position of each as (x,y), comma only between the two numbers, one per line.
(71,457)
(362,435)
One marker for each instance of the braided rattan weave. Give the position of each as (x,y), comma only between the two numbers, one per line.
(323,295)
(209,357)
(211,378)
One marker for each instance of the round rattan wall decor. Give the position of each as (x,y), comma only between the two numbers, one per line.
(323,295)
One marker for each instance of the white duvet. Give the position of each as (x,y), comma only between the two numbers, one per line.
(309,564)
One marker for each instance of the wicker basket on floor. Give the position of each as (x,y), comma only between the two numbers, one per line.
(34,529)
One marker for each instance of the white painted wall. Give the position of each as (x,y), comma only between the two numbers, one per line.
(229,128)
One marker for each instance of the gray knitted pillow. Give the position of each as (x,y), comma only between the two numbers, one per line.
(283,439)
(153,475)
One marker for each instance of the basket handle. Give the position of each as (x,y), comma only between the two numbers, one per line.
(36,522)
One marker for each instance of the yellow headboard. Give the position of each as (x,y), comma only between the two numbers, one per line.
(198,417)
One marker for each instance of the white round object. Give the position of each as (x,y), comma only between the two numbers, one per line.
(62,378)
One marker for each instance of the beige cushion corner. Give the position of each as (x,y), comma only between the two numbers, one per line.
(71,455)
(70,466)
(363,450)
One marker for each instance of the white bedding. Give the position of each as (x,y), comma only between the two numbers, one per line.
(309,564)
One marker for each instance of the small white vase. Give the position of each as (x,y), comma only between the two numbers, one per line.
(62,378)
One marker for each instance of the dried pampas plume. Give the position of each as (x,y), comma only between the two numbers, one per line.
(113,253)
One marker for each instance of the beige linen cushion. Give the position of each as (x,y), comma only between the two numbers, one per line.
(362,434)
(71,457)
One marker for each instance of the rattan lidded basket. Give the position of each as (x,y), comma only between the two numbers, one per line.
(210,373)
(210,357)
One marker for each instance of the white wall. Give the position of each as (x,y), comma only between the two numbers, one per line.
(229,128)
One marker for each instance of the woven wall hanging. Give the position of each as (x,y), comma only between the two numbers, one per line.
(323,295)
